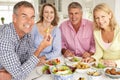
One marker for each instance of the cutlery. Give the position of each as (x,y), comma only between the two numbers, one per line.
(37,77)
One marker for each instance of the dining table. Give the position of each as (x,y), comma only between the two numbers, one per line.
(35,74)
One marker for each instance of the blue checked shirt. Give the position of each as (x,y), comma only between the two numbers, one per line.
(16,55)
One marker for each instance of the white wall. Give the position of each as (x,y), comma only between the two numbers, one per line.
(117,10)
(87,5)
(111,3)
(114,5)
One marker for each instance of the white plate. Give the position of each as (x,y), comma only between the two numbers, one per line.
(110,75)
(82,70)
(94,67)
(80,67)
(94,73)
(72,63)
(39,70)
(51,61)
(69,59)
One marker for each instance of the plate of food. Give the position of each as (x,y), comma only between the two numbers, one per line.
(94,74)
(98,66)
(82,67)
(62,72)
(43,70)
(113,73)
(53,62)
(71,61)
(74,59)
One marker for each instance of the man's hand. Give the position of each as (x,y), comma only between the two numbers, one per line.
(42,60)
(86,54)
(68,53)
(88,59)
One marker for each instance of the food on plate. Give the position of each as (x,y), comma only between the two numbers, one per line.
(118,72)
(46,70)
(81,78)
(99,65)
(94,73)
(81,65)
(53,62)
(72,68)
(112,71)
(74,59)
(61,70)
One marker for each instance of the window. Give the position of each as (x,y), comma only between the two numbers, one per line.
(6,12)
(6,9)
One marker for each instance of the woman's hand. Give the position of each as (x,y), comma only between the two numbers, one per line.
(47,41)
(109,63)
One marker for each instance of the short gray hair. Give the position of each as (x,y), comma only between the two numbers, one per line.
(22,3)
(74,5)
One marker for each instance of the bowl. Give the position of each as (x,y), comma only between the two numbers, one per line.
(113,73)
(61,73)
(94,74)
(61,77)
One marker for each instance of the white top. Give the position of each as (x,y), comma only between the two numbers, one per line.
(105,44)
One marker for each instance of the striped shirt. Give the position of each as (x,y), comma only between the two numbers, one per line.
(16,55)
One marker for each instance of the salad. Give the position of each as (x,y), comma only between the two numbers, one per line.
(74,59)
(53,62)
(61,70)
(99,66)
(46,70)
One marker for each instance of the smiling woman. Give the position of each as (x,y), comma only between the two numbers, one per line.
(47,24)
(107,36)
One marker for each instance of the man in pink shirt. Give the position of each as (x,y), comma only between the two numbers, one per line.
(77,33)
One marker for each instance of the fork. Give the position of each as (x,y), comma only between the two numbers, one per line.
(37,77)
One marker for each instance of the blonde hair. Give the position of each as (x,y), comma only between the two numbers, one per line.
(104,7)
(56,18)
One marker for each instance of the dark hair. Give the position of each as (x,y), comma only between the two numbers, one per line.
(22,3)
(74,5)
(56,18)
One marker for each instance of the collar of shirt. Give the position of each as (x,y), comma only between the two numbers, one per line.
(81,25)
(26,36)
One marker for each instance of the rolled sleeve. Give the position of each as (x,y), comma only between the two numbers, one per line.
(56,50)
